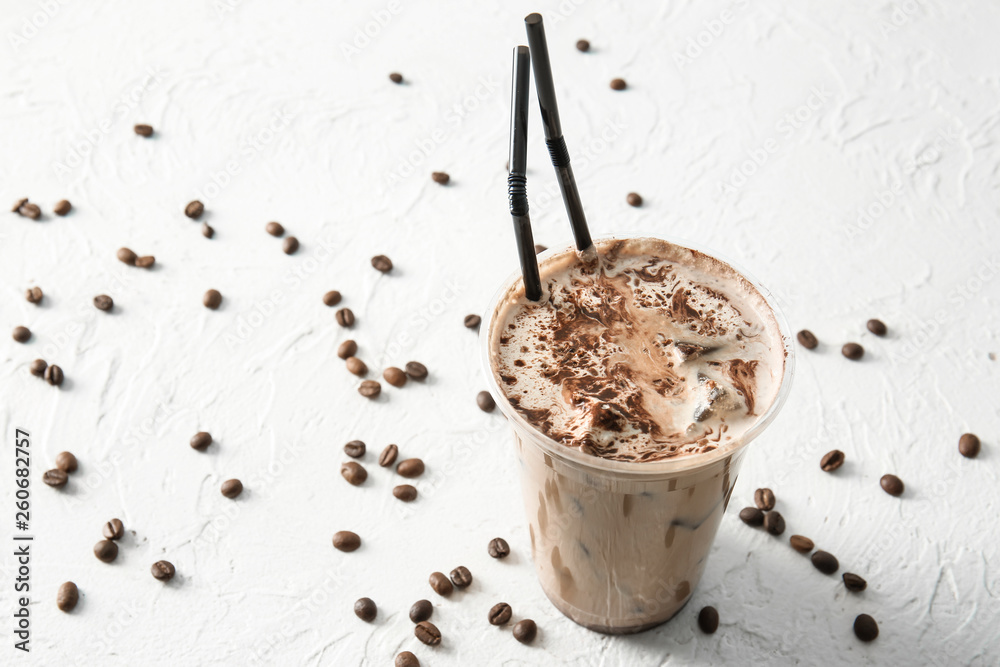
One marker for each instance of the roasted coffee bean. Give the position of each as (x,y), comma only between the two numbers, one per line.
(55,477)
(365,609)
(440,584)
(825,562)
(33,294)
(774,523)
(440,177)
(290,245)
(968,445)
(396,77)
(752,516)
(54,375)
(877,327)
(498,548)
(18,204)
(232,488)
(126,256)
(410,468)
(145,261)
(394,376)
(618,84)
(382,263)
(66,462)
(801,543)
(406,659)
(854,583)
(525,631)
(405,492)
(345,317)
(370,389)
(62,207)
(500,613)
(347,349)
(852,351)
(106,551)
(634,199)
(67,597)
(274,228)
(345,540)
(582,45)
(207,231)
(416,370)
(212,299)
(113,530)
(331,298)
(764,499)
(29,210)
(353,472)
(355,449)
(485,401)
(865,628)
(194,209)
(472,321)
(103,302)
(37,367)
(421,611)
(163,570)
(832,460)
(201,440)
(21,334)
(356,366)
(427,633)
(143,130)
(388,456)
(708,620)
(461,576)
(807,339)
(892,485)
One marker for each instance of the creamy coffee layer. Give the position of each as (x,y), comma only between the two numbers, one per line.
(642,352)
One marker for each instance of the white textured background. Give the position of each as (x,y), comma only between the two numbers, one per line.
(260,111)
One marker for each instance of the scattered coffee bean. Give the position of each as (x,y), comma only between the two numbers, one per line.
(708,620)
(126,256)
(498,548)
(18,204)
(67,597)
(396,77)
(345,540)
(21,334)
(500,613)
(113,530)
(877,327)
(207,231)
(416,370)
(194,209)
(865,628)
(441,584)
(106,551)
(55,478)
(752,516)
(634,199)
(582,45)
(852,351)
(539,248)
(825,562)
(103,302)
(968,445)
(832,460)
(472,321)
(892,485)
(485,401)
(331,298)
(33,294)
(388,456)
(406,659)
(618,84)
(347,349)
(365,609)
(345,317)
(461,576)
(370,389)
(525,631)
(394,376)
(274,228)
(143,130)
(355,449)
(440,177)
(356,366)
(232,488)
(162,570)
(801,543)
(201,440)
(854,583)
(382,263)
(405,492)
(354,473)
(145,262)
(410,468)
(290,245)
(764,499)
(427,633)
(421,611)
(66,462)
(62,207)
(29,210)
(807,339)
(37,367)
(212,299)
(54,375)
(774,523)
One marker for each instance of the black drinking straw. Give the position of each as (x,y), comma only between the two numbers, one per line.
(553,129)
(516,179)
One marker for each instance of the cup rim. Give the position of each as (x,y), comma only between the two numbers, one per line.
(649,468)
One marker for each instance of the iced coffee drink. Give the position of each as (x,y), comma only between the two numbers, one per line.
(632,387)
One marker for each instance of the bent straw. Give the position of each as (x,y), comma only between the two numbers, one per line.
(553,129)
(516,180)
